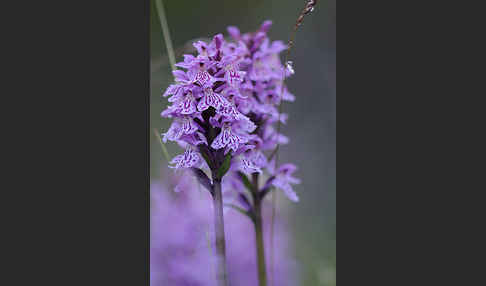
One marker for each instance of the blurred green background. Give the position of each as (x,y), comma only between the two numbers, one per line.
(312,119)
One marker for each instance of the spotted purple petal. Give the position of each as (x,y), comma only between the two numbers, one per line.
(188,104)
(186,160)
(210,98)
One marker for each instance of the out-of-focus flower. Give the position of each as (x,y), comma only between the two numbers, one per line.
(181,234)
(282,179)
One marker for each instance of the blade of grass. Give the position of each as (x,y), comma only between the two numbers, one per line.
(162,144)
(165,31)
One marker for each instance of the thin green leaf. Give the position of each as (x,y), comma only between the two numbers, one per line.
(266,191)
(205,156)
(203,179)
(240,210)
(225,166)
(245,181)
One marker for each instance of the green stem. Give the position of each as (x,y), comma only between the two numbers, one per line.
(262,274)
(221,272)
(165,32)
(260,249)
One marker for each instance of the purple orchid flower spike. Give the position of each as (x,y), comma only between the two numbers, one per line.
(224,107)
